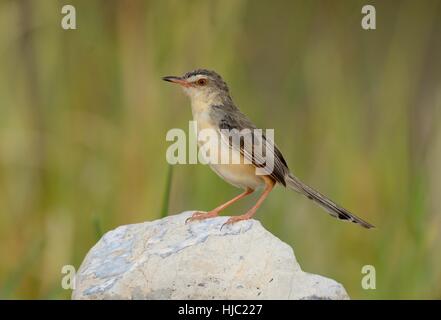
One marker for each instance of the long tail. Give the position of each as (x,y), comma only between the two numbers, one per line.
(334,209)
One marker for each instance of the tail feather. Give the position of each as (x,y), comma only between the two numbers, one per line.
(331,207)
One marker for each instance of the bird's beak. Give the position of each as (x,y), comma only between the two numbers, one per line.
(177,80)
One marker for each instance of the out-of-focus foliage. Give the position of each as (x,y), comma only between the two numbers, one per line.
(84,113)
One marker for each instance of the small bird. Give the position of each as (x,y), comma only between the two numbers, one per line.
(213,108)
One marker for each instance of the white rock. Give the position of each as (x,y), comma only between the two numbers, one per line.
(168,259)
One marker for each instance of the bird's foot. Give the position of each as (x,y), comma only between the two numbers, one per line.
(201,215)
(234,219)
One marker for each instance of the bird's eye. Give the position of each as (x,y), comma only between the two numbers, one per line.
(202,82)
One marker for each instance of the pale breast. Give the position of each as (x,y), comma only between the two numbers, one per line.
(239,173)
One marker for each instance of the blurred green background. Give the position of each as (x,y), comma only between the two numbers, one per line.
(84,114)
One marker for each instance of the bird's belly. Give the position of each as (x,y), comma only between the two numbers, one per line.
(239,175)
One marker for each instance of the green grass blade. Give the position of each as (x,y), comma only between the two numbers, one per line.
(166,197)
(97,226)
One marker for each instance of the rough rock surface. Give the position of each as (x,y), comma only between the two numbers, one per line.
(168,259)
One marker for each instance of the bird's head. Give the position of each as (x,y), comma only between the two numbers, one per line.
(201,84)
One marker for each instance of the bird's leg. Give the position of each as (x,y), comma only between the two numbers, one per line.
(269,185)
(200,215)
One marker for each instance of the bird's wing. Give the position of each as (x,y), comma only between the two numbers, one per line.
(256,148)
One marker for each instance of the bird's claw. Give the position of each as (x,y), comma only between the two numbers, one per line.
(230,221)
(235,219)
(223,225)
(201,215)
(193,217)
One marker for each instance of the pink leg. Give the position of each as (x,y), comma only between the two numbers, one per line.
(269,186)
(199,215)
